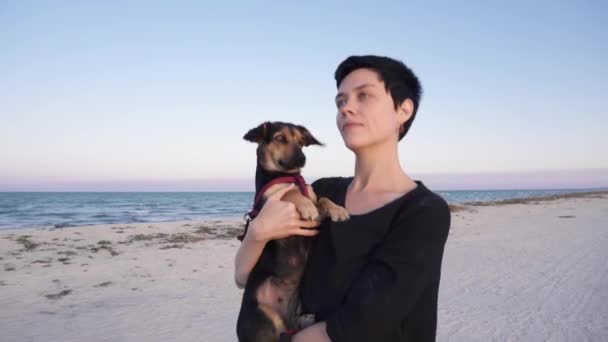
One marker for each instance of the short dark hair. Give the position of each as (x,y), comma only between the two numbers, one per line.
(399,80)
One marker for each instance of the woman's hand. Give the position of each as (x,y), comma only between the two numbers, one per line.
(279,219)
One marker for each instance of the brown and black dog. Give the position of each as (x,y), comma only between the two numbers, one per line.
(271,303)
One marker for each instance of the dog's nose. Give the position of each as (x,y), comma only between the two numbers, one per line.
(300,159)
(296,161)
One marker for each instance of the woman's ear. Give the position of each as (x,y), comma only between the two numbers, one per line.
(257,134)
(405,111)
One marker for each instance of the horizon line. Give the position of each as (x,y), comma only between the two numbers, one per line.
(447,181)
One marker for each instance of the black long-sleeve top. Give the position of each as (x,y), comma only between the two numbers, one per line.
(376,276)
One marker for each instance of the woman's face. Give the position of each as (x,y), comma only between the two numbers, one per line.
(366,113)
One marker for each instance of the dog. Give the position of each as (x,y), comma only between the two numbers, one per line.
(270,305)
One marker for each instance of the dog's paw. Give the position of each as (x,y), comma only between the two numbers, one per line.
(308,211)
(337,213)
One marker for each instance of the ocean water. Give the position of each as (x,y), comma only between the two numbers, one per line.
(68,209)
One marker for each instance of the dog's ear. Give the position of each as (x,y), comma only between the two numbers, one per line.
(257,134)
(308,138)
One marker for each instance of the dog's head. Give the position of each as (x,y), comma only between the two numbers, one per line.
(280,145)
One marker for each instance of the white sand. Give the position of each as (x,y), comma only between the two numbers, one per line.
(522,273)
(510,273)
(175,294)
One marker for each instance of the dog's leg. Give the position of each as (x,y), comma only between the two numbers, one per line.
(275,318)
(327,208)
(311,194)
(273,299)
(305,206)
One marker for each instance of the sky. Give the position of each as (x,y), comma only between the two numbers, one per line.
(156,96)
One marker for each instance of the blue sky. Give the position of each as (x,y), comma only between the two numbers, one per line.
(157,95)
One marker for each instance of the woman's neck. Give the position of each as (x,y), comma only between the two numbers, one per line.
(377,169)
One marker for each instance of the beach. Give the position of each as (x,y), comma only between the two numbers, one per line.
(519,270)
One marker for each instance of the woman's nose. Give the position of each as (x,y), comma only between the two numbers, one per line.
(347,108)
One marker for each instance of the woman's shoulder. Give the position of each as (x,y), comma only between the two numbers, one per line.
(426,211)
(422,200)
(431,201)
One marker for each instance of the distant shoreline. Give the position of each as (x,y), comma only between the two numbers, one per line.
(529,200)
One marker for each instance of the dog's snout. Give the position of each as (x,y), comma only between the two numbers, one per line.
(295,161)
(300,159)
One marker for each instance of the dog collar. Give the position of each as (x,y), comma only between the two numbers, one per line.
(297,179)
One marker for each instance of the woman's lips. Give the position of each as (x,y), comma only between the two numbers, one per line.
(350,125)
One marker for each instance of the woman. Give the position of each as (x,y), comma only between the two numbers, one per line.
(376,276)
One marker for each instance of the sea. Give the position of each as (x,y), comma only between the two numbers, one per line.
(69,209)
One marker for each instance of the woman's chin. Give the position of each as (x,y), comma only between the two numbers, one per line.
(353,144)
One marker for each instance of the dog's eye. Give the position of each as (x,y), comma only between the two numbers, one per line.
(280,139)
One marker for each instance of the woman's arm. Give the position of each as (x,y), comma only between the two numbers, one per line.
(315,332)
(277,219)
(247,256)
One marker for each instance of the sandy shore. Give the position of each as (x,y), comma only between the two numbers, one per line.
(535,270)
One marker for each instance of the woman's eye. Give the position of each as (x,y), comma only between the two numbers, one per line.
(363,96)
(340,103)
